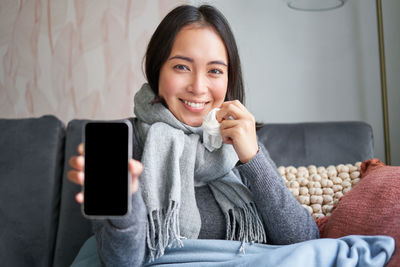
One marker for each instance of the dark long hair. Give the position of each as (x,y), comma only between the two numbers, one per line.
(161,43)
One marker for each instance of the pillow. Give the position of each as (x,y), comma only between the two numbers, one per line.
(370,208)
(319,188)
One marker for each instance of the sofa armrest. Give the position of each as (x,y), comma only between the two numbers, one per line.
(31,162)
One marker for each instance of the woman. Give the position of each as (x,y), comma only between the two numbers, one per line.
(186,191)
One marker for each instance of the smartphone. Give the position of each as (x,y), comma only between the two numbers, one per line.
(106,188)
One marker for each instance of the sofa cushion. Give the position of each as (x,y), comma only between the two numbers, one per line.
(319,188)
(31,162)
(372,207)
(318,143)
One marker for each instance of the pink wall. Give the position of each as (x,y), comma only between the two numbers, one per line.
(74,59)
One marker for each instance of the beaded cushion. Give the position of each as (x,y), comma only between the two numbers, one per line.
(318,189)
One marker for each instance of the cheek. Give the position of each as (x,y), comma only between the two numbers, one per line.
(220,92)
(166,86)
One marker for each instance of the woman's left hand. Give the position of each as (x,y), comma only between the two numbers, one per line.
(238,128)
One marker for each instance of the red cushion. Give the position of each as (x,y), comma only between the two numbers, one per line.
(372,207)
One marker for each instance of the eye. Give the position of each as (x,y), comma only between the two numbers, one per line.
(181,67)
(216,71)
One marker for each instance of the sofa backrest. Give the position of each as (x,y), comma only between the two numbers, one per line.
(318,143)
(31,161)
(41,223)
(294,144)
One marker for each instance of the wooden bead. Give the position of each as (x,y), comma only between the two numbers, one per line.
(327,199)
(303,181)
(317,185)
(346,190)
(308,208)
(346,184)
(337,188)
(327,191)
(316,199)
(317,191)
(303,190)
(317,215)
(294,184)
(324,182)
(353,169)
(327,208)
(291,169)
(337,180)
(316,208)
(321,170)
(344,175)
(282,170)
(315,177)
(355,174)
(290,176)
(312,190)
(332,173)
(295,191)
(338,195)
(342,168)
(304,200)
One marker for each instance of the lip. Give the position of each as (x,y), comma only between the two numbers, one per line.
(193,109)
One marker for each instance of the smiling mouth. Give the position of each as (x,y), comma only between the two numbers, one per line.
(196,105)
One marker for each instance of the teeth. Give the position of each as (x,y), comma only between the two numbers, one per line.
(194,105)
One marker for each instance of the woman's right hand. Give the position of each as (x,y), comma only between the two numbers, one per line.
(76,174)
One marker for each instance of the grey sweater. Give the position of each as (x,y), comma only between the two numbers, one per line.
(122,242)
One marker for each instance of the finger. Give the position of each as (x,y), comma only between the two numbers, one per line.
(135,184)
(79,197)
(228,135)
(229,110)
(135,167)
(75,176)
(227,124)
(236,103)
(81,149)
(77,162)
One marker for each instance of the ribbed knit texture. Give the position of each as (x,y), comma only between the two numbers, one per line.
(122,242)
(175,159)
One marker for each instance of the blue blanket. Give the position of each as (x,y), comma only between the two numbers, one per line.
(351,250)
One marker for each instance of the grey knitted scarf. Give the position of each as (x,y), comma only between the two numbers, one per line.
(175,160)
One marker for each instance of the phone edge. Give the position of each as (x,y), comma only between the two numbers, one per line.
(130,152)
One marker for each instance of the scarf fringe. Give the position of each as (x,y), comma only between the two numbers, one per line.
(163,230)
(244,224)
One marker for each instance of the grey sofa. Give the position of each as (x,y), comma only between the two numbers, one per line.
(40,222)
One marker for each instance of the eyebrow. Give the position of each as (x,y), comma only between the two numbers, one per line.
(219,62)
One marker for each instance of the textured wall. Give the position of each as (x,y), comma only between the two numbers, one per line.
(74,59)
(82,59)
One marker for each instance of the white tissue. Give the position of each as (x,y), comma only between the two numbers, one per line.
(212,138)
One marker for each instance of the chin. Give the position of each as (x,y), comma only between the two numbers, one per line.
(197,124)
(193,123)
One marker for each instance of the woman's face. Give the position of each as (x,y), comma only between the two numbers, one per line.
(194,78)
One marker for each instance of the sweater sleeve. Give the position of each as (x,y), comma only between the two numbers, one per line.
(122,242)
(285,220)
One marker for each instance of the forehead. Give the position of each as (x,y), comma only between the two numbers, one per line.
(198,40)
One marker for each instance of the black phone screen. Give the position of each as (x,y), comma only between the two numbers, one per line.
(106,184)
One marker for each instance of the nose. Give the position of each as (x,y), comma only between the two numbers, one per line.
(198,85)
